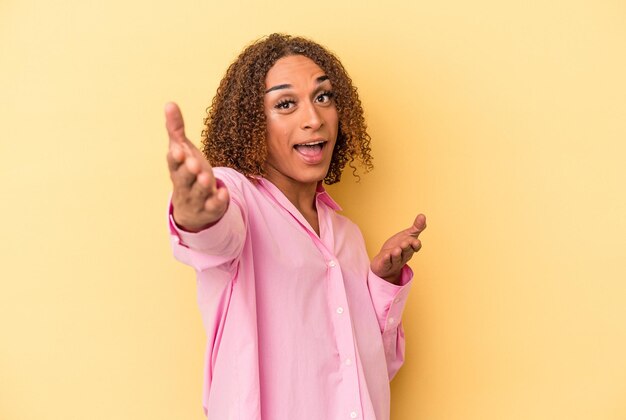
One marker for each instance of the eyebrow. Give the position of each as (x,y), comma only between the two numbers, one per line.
(287,86)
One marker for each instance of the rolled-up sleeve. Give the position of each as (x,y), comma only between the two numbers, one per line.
(389,301)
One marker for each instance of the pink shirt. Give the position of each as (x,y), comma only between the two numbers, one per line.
(298,326)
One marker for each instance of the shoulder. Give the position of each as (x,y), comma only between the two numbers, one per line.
(234,179)
(228,175)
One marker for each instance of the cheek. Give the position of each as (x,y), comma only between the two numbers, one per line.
(332,117)
(334,122)
(278,131)
(277,138)
(273,132)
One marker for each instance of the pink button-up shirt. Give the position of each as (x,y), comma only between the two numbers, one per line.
(298,326)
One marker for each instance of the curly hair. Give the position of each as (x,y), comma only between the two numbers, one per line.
(235,127)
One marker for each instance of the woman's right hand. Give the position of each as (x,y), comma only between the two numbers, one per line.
(197,200)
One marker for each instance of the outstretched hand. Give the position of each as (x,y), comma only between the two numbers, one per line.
(197,200)
(398,250)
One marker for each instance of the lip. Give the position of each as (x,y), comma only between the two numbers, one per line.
(312,159)
(311,141)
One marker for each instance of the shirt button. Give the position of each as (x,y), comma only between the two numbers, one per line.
(390,320)
(340,310)
(353,415)
(396,300)
(332,263)
(348,361)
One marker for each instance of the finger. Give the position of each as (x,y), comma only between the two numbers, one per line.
(199,192)
(419,224)
(204,185)
(175,158)
(222,194)
(407,252)
(385,264)
(182,179)
(396,257)
(193,165)
(416,244)
(174,123)
(205,179)
(218,202)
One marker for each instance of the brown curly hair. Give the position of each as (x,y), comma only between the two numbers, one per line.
(235,128)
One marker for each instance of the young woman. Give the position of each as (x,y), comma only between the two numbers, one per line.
(300,323)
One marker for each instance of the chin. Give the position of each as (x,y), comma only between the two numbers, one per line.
(313,174)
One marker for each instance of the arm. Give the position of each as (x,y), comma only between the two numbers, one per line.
(389,281)
(389,300)
(206,224)
(215,246)
(198,201)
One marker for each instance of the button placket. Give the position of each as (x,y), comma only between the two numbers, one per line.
(345,342)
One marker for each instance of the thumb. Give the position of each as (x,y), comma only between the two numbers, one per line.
(419,224)
(174,123)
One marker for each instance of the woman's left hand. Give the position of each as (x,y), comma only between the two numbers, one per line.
(398,250)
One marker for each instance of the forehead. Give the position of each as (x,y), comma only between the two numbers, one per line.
(293,69)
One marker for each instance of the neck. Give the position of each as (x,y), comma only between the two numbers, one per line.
(302,197)
(300,194)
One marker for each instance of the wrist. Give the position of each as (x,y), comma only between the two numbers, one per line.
(393,279)
(193,227)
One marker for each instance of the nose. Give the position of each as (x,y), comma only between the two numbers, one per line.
(311,118)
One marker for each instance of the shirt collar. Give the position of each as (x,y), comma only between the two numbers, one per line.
(321,194)
(324,197)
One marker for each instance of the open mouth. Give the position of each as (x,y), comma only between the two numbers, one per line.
(311,149)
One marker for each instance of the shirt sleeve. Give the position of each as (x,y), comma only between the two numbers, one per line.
(389,301)
(215,246)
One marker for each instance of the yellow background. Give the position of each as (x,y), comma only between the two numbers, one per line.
(504,122)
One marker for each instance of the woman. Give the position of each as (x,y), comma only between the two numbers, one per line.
(300,324)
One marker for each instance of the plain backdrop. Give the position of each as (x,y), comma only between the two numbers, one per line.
(503,121)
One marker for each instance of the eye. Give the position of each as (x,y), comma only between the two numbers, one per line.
(324,97)
(285,104)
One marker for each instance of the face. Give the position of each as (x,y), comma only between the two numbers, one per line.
(302,122)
